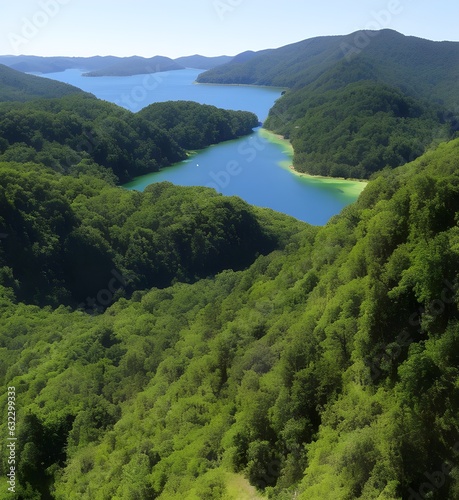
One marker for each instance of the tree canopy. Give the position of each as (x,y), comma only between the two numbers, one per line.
(63,133)
(173,343)
(358,103)
(326,369)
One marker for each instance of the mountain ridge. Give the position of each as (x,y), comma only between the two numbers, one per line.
(137,66)
(299,64)
(16,86)
(41,64)
(360,132)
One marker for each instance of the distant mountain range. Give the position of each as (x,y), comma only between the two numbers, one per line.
(110,65)
(137,66)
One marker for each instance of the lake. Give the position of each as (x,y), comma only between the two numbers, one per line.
(256,168)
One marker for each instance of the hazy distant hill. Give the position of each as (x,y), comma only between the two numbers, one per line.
(95,66)
(202,62)
(100,64)
(137,66)
(15,86)
(37,64)
(293,65)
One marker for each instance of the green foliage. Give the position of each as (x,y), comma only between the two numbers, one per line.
(75,132)
(318,362)
(350,112)
(64,133)
(15,86)
(196,126)
(356,129)
(71,238)
(418,67)
(327,369)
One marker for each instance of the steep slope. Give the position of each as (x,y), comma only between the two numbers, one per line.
(357,103)
(421,68)
(15,86)
(291,66)
(355,128)
(66,234)
(196,126)
(201,62)
(328,369)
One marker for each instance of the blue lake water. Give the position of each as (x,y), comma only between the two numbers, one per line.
(254,168)
(136,92)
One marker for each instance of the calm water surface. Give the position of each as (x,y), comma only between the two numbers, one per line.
(253,167)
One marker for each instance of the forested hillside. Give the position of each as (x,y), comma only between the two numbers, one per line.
(77,132)
(355,129)
(201,62)
(81,133)
(356,103)
(67,233)
(327,369)
(421,68)
(15,86)
(173,343)
(195,126)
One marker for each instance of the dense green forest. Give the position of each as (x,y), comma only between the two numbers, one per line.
(179,344)
(196,126)
(15,86)
(326,369)
(358,128)
(66,234)
(81,133)
(356,103)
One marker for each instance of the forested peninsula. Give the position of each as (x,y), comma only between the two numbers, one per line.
(80,132)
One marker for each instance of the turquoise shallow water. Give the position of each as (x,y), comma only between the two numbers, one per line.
(249,167)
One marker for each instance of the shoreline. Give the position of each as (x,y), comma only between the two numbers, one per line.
(242,85)
(348,186)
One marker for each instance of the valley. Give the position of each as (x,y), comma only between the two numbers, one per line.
(167,341)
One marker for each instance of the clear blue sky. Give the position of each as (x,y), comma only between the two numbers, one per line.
(176,28)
